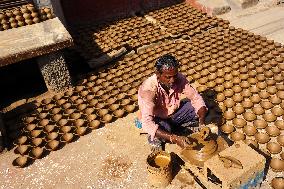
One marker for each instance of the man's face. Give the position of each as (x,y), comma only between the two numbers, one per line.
(168,76)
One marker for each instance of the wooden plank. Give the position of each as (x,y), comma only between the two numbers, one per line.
(33,40)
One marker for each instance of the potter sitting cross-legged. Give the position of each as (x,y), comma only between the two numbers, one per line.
(161,110)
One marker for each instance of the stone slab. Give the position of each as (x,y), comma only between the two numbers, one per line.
(33,40)
(212,7)
(245,3)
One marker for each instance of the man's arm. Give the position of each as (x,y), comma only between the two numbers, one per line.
(179,140)
(201,115)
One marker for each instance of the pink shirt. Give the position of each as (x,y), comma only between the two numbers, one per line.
(154,101)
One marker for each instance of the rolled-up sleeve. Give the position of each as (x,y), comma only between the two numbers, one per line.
(195,98)
(146,105)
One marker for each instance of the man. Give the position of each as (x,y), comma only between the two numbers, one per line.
(161,108)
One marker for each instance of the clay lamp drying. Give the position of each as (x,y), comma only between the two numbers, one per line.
(249,130)
(279,124)
(237,136)
(227,128)
(271,90)
(261,85)
(229,115)
(65,129)
(244,77)
(134,97)
(246,93)
(270,82)
(82,106)
(57,117)
(249,116)
(258,110)
(277,111)
(278,78)
(51,136)
(119,113)
(62,122)
(280,140)
(273,147)
(69,111)
(266,104)
(107,118)
(277,165)
(81,131)
(67,137)
(114,107)
(67,105)
(239,122)
(254,89)
(238,109)
(37,152)
(237,98)
(237,89)
(255,99)
(275,100)
(22,140)
(35,133)
(220,97)
(201,88)
(262,138)
(30,119)
(129,108)
(260,124)
(204,149)
(79,122)
(269,117)
(228,85)
(75,115)
(30,127)
(247,103)
(94,124)
(277,183)
(55,110)
(46,101)
(228,92)
(236,74)
(22,149)
(229,102)
(49,128)
(272,131)
(43,122)
(53,144)
(43,115)
(253,142)
(280,94)
(78,101)
(21,161)
(93,102)
(37,141)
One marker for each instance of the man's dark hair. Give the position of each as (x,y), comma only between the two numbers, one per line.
(165,62)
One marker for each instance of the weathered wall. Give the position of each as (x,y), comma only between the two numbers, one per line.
(99,10)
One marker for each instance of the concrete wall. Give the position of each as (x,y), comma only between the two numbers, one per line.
(99,10)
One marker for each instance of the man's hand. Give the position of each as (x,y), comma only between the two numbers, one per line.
(181,141)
